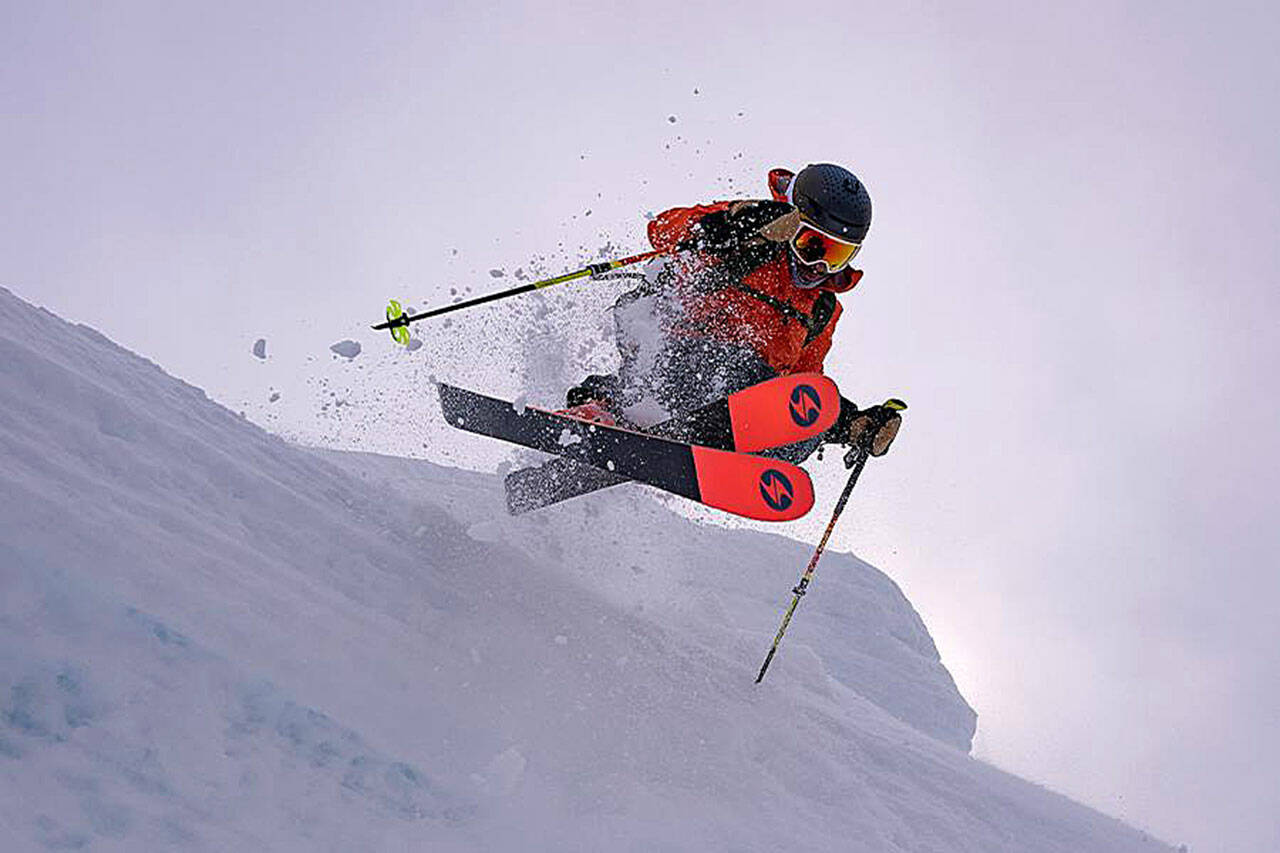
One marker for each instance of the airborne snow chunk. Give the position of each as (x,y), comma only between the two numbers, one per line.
(348,349)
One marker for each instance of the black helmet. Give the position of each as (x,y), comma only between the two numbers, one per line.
(833,199)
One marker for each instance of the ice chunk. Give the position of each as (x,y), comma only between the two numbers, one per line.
(347,349)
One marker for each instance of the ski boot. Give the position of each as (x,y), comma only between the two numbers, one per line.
(590,401)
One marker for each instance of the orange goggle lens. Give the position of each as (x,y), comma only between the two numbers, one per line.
(816,247)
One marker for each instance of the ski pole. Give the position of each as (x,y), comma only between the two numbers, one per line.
(397,319)
(856,459)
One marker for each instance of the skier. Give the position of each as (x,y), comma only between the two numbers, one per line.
(747,293)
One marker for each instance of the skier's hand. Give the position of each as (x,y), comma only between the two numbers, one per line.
(746,224)
(874,428)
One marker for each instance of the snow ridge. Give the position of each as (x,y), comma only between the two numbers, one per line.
(212,638)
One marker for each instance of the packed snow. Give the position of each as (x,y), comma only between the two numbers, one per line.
(211,638)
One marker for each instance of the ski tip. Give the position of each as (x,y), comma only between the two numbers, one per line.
(752,486)
(783,410)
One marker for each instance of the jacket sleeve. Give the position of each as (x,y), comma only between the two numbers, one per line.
(672,227)
(812,356)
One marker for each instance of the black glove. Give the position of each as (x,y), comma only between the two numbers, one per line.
(744,225)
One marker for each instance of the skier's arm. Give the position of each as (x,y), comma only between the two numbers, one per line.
(815,352)
(671,228)
(745,226)
(812,356)
(723,228)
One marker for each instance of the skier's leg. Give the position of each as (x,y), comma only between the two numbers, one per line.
(639,328)
(798,452)
(692,372)
(720,368)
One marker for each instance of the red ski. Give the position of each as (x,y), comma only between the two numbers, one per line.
(774,413)
(750,486)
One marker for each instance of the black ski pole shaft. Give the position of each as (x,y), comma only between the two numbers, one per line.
(855,459)
(585,272)
(798,592)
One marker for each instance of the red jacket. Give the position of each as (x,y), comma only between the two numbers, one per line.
(782,339)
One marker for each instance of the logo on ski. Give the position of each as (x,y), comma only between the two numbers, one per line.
(776,490)
(806,405)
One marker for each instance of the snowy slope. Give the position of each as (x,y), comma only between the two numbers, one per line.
(210,638)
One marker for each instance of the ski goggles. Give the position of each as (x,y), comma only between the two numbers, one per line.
(815,247)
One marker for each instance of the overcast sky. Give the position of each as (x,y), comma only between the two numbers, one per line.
(1071,277)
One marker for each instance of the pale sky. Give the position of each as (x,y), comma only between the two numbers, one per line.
(1071,277)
